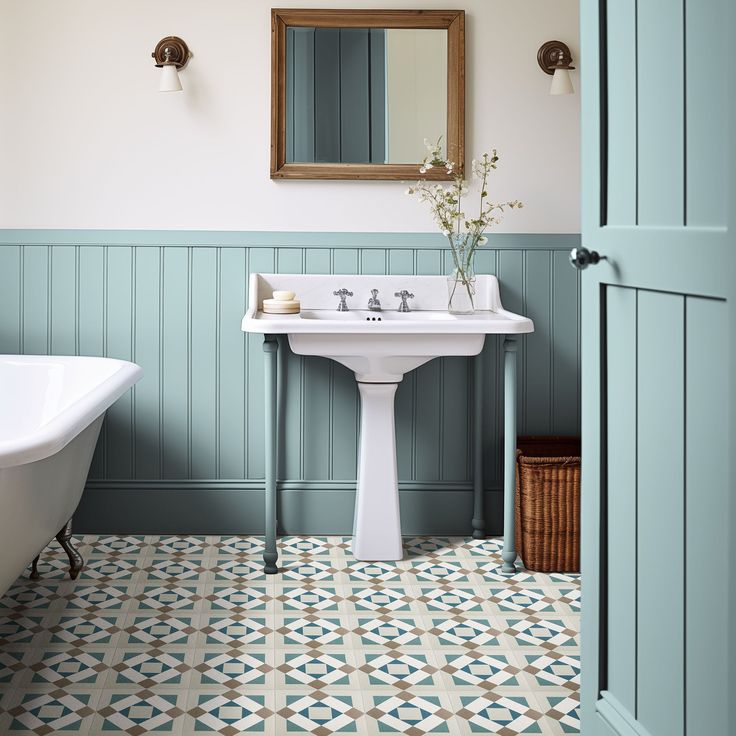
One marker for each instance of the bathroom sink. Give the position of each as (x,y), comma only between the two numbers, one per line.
(379,347)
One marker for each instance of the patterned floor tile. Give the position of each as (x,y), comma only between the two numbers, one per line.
(239,546)
(441,570)
(185,634)
(389,631)
(230,713)
(21,629)
(168,597)
(564,710)
(11,665)
(504,715)
(556,669)
(311,631)
(98,598)
(545,633)
(150,668)
(373,572)
(480,670)
(399,669)
(232,669)
(241,569)
(86,629)
(315,670)
(306,546)
(309,598)
(109,568)
(71,666)
(238,598)
(181,546)
(235,631)
(111,545)
(466,632)
(309,570)
(380,599)
(409,714)
(52,712)
(168,568)
(320,714)
(159,630)
(139,713)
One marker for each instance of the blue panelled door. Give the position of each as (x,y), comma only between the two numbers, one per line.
(659,533)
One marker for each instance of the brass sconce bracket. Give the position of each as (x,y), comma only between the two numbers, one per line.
(171,50)
(554,55)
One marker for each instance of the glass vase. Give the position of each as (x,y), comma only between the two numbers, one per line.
(461,280)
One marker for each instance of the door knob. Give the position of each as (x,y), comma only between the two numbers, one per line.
(581,258)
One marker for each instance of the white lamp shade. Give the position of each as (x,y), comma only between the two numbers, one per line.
(561,83)
(169,79)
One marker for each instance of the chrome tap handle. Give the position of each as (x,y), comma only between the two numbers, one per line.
(404,295)
(342,293)
(374,303)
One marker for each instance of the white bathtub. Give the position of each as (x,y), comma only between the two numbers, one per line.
(51,409)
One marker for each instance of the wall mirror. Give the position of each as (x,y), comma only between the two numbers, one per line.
(354,93)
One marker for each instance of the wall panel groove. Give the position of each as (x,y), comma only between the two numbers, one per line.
(197,414)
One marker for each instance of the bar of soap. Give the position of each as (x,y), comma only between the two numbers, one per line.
(281,306)
(283,296)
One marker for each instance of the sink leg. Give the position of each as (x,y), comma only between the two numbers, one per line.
(509,457)
(270,554)
(377,529)
(479,519)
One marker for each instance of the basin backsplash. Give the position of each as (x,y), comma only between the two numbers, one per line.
(183,452)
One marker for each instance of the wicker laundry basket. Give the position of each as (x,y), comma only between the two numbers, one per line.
(548,503)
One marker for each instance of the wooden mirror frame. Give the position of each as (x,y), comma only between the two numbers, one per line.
(451,20)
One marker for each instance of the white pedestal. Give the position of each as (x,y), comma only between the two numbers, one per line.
(377,527)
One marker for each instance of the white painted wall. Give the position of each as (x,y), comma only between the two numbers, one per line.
(86,141)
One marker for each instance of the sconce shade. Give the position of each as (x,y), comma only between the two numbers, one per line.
(170,81)
(561,83)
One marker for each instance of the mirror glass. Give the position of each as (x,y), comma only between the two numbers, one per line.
(364,95)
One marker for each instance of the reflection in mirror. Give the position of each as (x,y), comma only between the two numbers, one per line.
(364,95)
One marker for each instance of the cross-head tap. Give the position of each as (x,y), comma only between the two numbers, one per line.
(343,294)
(404,295)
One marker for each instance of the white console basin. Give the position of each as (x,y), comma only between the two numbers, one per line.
(379,347)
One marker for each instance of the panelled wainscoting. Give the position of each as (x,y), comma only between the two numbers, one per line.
(183,451)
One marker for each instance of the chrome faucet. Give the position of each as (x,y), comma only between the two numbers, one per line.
(342,293)
(404,295)
(374,303)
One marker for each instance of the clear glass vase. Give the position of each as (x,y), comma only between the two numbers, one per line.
(461,280)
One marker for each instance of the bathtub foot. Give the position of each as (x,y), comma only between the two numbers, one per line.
(75,559)
(34,568)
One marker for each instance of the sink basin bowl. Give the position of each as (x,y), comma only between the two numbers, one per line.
(379,347)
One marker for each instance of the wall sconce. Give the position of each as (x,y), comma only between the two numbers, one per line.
(554,58)
(171,54)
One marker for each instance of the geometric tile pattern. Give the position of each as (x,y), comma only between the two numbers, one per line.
(186,636)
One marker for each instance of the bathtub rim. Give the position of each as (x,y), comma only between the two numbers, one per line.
(65,426)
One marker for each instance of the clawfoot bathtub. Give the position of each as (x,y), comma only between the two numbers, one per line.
(51,410)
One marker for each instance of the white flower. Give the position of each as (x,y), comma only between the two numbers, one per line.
(445,232)
(428,165)
(423,170)
(482,240)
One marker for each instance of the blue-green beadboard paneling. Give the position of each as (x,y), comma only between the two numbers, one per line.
(191,432)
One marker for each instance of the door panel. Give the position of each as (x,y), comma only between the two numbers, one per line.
(707,498)
(621,371)
(660,500)
(659,106)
